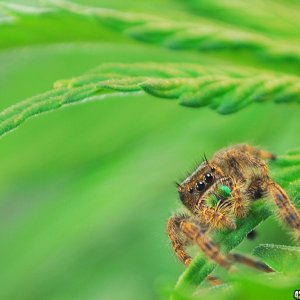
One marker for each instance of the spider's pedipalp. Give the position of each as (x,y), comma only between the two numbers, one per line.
(216,217)
(240,202)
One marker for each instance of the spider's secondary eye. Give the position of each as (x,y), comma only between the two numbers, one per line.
(191,190)
(200,186)
(209,178)
(212,169)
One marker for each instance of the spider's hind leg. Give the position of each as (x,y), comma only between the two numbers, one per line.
(287,210)
(252,263)
(261,153)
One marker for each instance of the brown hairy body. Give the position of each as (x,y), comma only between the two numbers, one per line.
(244,173)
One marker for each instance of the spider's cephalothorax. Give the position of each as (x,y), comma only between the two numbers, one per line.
(218,192)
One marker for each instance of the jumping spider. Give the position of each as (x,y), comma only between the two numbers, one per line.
(218,192)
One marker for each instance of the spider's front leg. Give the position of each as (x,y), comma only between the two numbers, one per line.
(178,240)
(184,229)
(287,211)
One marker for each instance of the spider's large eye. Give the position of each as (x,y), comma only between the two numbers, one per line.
(209,178)
(200,186)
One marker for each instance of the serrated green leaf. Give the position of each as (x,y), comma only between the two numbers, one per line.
(224,90)
(285,259)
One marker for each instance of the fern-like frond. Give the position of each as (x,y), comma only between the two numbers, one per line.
(224,90)
(258,15)
(203,34)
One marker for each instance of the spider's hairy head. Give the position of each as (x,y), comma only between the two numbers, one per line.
(195,188)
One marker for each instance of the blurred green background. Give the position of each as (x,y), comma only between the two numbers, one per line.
(86,190)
